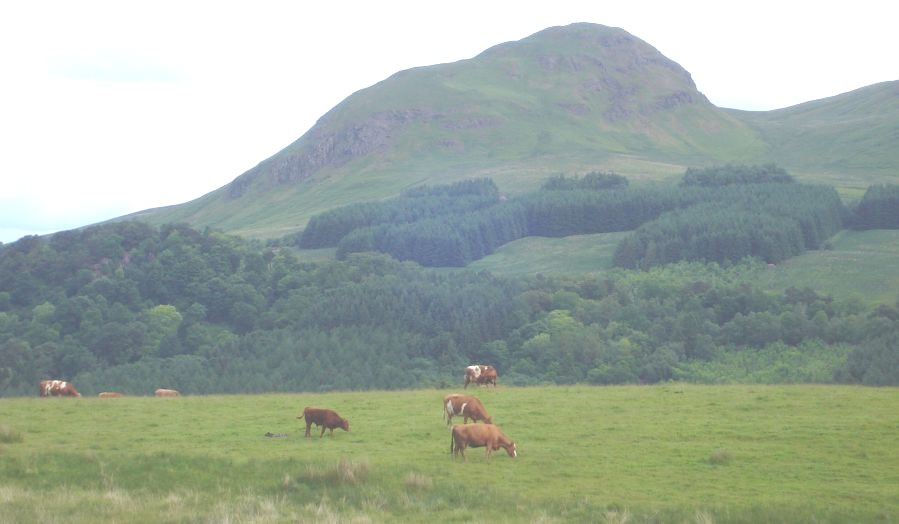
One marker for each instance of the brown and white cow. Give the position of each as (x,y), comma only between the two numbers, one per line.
(480,435)
(57,388)
(480,374)
(162,392)
(469,407)
(110,394)
(326,418)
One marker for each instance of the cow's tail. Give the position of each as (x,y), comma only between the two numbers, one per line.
(451,441)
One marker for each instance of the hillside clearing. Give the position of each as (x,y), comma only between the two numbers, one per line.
(859,264)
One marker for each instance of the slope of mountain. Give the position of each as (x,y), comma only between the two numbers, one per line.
(567,99)
(848,139)
(570,100)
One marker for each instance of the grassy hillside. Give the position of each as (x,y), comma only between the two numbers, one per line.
(568,99)
(859,264)
(664,453)
(843,141)
(571,100)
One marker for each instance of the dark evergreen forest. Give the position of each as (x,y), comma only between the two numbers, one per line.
(126,306)
(721,214)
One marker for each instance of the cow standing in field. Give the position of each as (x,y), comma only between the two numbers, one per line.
(57,388)
(480,435)
(467,406)
(110,394)
(325,418)
(162,392)
(480,375)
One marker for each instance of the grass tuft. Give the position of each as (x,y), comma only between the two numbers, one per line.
(9,435)
(418,481)
(720,457)
(703,517)
(617,516)
(346,472)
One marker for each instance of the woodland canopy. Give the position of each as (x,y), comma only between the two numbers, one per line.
(126,306)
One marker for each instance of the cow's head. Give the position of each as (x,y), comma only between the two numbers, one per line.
(512,450)
(345,424)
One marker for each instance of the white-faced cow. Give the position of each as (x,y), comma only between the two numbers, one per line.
(162,392)
(480,435)
(467,406)
(480,374)
(57,388)
(325,418)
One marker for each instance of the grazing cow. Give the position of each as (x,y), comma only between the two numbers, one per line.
(480,374)
(161,392)
(57,388)
(110,394)
(467,406)
(325,418)
(480,435)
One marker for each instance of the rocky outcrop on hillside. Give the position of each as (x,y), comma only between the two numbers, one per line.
(322,147)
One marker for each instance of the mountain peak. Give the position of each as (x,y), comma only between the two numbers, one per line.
(631,75)
(583,77)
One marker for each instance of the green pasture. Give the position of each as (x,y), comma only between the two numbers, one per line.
(860,264)
(666,453)
(856,264)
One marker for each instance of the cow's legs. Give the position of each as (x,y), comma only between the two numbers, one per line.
(308,427)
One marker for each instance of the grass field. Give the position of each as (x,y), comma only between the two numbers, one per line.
(860,264)
(667,453)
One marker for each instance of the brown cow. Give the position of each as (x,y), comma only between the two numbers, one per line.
(57,388)
(325,418)
(480,435)
(161,392)
(480,374)
(467,406)
(110,394)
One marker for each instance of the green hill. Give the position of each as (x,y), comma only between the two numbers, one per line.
(844,141)
(568,99)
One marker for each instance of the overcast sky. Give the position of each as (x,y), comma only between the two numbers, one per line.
(107,108)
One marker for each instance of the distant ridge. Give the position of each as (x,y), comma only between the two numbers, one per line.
(570,99)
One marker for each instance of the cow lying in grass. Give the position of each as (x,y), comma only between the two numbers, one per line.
(110,394)
(469,407)
(57,388)
(480,435)
(325,418)
(162,392)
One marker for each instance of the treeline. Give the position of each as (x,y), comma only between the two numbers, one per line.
(878,209)
(420,203)
(768,221)
(719,214)
(730,174)
(129,307)
(451,240)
